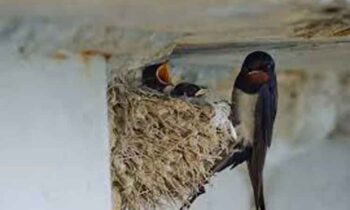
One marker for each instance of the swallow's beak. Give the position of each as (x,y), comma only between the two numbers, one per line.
(163,74)
(258,77)
(200,92)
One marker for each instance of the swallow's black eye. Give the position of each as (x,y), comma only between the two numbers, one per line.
(269,66)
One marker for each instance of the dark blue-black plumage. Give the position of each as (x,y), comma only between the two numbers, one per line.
(188,90)
(268,107)
(156,76)
(265,114)
(257,78)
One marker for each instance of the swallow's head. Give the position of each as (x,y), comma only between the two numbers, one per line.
(157,76)
(163,74)
(188,90)
(257,70)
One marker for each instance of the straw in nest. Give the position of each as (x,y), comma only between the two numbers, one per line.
(162,148)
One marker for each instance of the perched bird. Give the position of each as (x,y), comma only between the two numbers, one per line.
(253,111)
(188,90)
(157,76)
(254,107)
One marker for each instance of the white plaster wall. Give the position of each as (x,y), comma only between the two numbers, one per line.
(54,142)
(314,177)
(53,133)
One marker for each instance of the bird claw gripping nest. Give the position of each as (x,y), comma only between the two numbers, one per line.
(162,148)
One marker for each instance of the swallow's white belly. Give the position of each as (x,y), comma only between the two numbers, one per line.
(245,105)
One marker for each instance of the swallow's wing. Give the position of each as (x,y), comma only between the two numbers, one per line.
(266,112)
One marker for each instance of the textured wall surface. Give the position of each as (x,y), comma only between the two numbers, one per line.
(54,140)
(54,55)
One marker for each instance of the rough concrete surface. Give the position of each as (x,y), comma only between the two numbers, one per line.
(54,135)
(209,39)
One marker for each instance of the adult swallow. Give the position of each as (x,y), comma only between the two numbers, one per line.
(188,90)
(254,107)
(157,76)
(253,112)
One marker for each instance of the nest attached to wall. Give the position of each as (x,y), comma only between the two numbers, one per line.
(333,25)
(162,148)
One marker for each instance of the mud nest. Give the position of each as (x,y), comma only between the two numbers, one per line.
(334,25)
(162,148)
